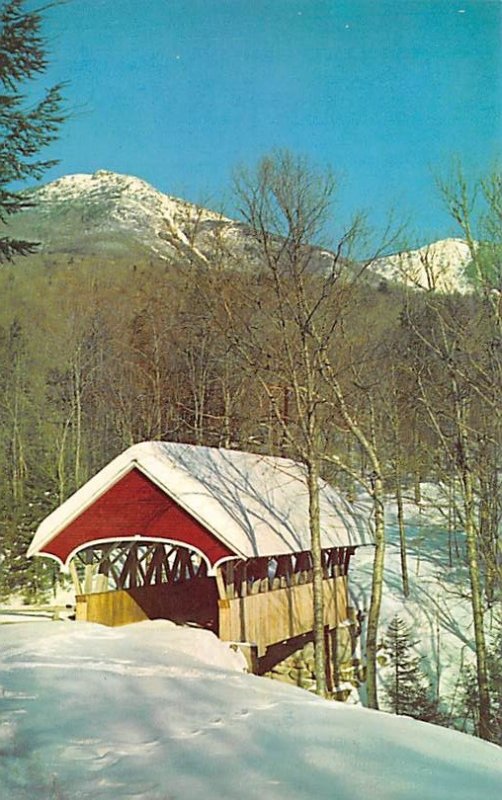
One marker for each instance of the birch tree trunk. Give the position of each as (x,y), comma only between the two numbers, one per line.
(474,573)
(318,576)
(376,489)
(376,593)
(401,527)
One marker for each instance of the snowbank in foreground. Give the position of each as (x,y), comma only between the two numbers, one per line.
(153,711)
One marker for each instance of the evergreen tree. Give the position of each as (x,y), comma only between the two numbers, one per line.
(408,691)
(26,127)
(470,699)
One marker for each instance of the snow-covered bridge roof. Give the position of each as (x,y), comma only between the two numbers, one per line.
(223,503)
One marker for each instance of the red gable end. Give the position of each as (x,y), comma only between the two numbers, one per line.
(135,507)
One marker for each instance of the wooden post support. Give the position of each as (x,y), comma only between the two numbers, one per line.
(250,653)
(220,583)
(230,589)
(75,578)
(329,658)
(89,571)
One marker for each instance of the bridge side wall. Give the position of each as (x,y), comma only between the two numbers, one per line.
(270,617)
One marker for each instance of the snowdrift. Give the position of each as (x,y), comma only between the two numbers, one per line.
(155,711)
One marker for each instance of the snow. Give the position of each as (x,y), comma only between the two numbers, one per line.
(438,610)
(126,203)
(131,192)
(154,711)
(440,620)
(441,262)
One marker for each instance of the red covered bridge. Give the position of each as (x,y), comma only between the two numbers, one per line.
(219,538)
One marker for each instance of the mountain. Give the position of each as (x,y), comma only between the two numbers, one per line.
(440,265)
(109,215)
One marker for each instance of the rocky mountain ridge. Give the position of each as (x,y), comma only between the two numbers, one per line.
(108,214)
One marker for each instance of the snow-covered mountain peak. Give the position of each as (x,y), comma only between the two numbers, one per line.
(74,186)
(113,186)
(439,265)
(107,210)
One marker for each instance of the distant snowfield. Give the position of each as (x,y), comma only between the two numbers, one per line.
(440,265)
(438,610)
(159,712)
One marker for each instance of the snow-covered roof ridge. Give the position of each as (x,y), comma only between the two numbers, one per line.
(255,504)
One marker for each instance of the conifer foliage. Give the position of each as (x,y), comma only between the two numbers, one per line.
(408,691)
(27,126)
(471,695)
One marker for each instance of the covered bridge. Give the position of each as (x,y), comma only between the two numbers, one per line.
(219,538)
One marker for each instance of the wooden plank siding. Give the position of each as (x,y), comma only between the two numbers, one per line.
(263,619)
(109,608)
(269,617)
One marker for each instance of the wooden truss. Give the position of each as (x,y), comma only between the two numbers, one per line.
(265,574)
(127,565)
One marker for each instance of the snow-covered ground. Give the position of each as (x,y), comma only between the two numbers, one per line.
(158,712)
(438,609)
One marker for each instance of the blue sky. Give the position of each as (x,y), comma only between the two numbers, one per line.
(179,92)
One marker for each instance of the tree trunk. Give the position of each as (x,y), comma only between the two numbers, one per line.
(474,577)
(317,569)
(77,400)
(369,448)
(376,593)
(402,531)
(417,489)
